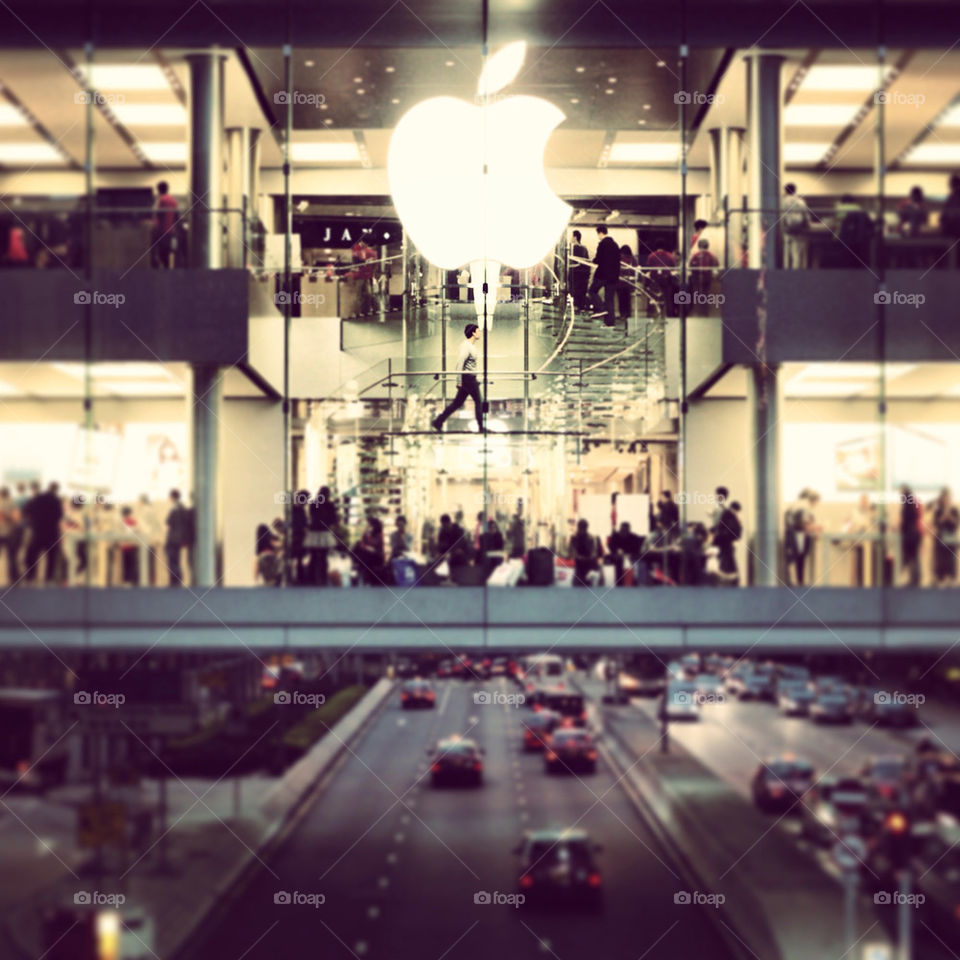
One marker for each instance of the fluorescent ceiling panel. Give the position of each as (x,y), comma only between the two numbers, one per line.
(164,152)
(10,116)
(951,118)
(37,151)
(946,153)
(143,388)
(127,76)
(820,114)
(338,152)
(852,371)
(150,114)
(856,77)
(8,389)
(804,152)
(644,153)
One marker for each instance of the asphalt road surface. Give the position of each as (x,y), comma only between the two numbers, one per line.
(399,863)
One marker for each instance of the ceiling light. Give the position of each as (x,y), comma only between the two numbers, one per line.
(323,106)
(358,79)
(612,215)
(820,114)
(36,152)
(7,389)
(165,152)
(641,122)
(608,90)
(150,114)
(143,388)
(662,152)
(390,69)
(448,63)
(661,63)
(309,63)
(935,153)
(574,99)
(126,76)
(611,79)
(646,106)
(345,151)
(825,388)
(328,121)
(854,77)
(361,91)
(581,69)
(950,118)
(804,152)
(395,100)
(10,116)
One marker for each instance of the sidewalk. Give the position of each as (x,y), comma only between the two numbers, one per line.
(208,844)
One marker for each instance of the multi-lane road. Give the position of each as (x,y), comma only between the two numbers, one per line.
(399,864)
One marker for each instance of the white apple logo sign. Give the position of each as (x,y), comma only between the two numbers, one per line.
(468,182)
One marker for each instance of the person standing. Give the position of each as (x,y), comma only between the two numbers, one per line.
(668,518)
(365,271)
(729,531)
(628,275)
(583,550)
(46,512)
(950,214)
(946,520)
(910,535)
(298,536)
(468,386)
(164,227)
(516,537)
(796,224)
(9,523)
(578,274)
(624,547)
(400,541)
(322,522)
(450,542)
(605,277)
(178,537)
(702,266)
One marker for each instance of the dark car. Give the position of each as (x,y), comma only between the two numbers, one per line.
(417,694)
(833,707)
(886,778)
(756,686)
(886,710)
(567,703)
(833,807)
(537,729)
(499,667)
(456,760)
(571,749)
(780,782)
(794,698)
(558,867)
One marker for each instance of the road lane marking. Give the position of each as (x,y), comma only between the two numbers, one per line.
(391,858)
(398,838)
(383,883)
(445,699)
(373,912)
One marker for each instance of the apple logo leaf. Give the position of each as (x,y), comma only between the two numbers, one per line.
(502,68)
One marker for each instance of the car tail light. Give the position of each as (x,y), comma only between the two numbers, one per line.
(430,695)
(885,790)
(435,768)
(776,791)
(23,766)
(537,708)
(404,696)
(591,754)
(594,879)
(526,881)
(477,765)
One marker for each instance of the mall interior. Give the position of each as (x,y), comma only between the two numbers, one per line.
(242,270)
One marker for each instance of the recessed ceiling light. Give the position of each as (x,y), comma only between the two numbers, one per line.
(38,152)
(608,90)
(323,106)
(390,69)
(574,99)
(395,100)
(324,152)
(358,79)
(641,121)
(581,69)
(611,79)
(857,77)
(328,121)
(126,76)
(150,114)
(169,152)
(361,91)
(10,116)
(448,63)
(946,153)
(820,114)
(309,63)
(646,106)
(661,63)
(804,152)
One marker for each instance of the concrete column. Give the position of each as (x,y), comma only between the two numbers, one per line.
(718,170)
(206,401)
(763,400)
(205,163)
(238,181)
(764,133)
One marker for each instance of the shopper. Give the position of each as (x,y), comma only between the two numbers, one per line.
(800,524)
(9,538)
(729,531)
(365,271)
(946,520)
(950,214)
(795,215)
(578,274)
(298,536)
(468,385)
(268,566)
(628,275)
(910,535)
(668,518)
(130,549)
(491,546)
(913,213)
(401,542)
(585,553)
(662,265)
(516,537)
(605,277)
(45,514)
(368,554)
(164,235)
(624,546)
(450,542)
(702,265)
(321,539)
(178,537)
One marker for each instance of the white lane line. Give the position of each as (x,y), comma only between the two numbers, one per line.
(373,912)
(383,883)
(360,947)
(399,838)
(405,818)
(445,699)
(392,859)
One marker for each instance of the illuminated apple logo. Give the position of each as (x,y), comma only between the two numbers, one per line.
(467,178)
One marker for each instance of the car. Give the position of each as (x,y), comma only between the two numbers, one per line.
(446,669)
(417,694)
(567,703)
(690,663)
(792,671)
(830,684)
(537,727)
(794,698)
(499,667)
(833,807)
(709,688)
(886,778)
(570,749)
(756,686)
(680,701)
(456,760)
(405,669)
(629,685)
(831,708)
(557,867)
(885,711)
(780,782)
(733,676)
